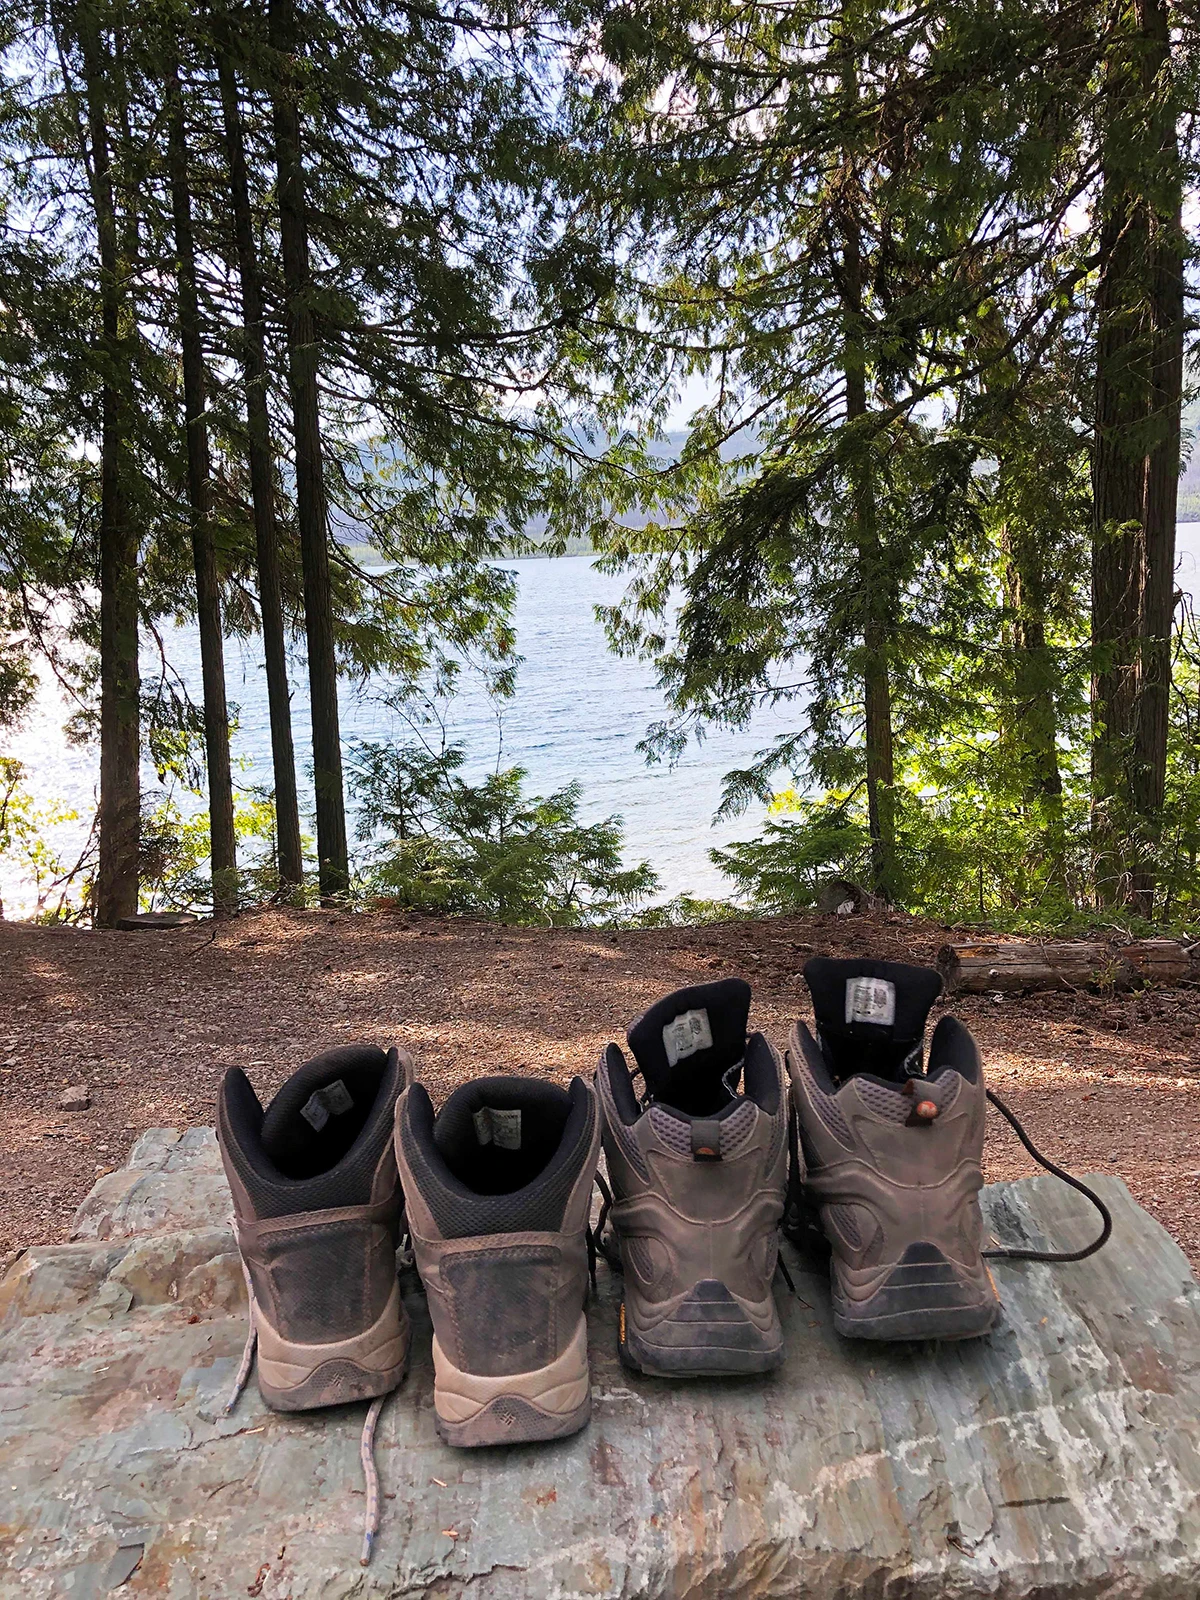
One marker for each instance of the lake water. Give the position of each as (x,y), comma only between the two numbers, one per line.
(578,714)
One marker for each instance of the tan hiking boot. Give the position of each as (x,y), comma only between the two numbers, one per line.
(892,1152)
(699,1172)
(317,1207)
(498,1192)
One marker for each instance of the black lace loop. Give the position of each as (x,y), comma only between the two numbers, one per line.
(1044,1161)
(598,1244)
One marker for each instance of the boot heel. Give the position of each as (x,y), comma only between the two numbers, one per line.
(550,1402)
(923,1297)
(708,1335)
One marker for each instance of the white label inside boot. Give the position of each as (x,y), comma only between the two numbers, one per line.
(337,1098)
(315,1112)
(331,1101)
(501,1128)
(685,1034)
(871,1000)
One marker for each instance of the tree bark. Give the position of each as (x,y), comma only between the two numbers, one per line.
(120,679)
(222,837)
(289,857)
(1139,374)
(875,600)
(1037,733)
(1004,967)
(1024,547)
(303,358)
(1163,460)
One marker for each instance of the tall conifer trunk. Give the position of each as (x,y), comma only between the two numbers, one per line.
(1033,711)
(303,360)
(120,679)
(1024,578)
(876,603)
(222,838)
(1139,376)
(262,491)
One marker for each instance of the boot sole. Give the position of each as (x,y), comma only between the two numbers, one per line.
(710,1337)
(550,1402)
(512,1420)
(334,1383)
(303,1377)
(923,1297)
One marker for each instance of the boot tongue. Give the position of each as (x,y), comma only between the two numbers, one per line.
(871,1014)
(687,1044)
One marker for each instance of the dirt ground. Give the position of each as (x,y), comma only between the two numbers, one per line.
(149,1021)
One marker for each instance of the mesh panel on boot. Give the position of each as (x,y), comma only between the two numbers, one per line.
(827,1108)
(616,1130)
(504,1307)
(897,1107)
(459,1213)
(737,1128)
(884,1102)
(846,1223)
(331,1280)
(677,1134)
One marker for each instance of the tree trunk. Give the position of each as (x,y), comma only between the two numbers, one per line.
(1007,967)
(1139,373)
(262,492)
(875,600)
(1023,544)
(1163,459)
(333,870)
(120,680)
(1032,686)
(222,838)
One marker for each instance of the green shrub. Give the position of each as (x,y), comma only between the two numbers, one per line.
(438,843)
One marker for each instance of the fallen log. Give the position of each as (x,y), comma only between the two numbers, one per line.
(1008,967)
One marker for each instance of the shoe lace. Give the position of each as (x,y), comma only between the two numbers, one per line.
(597,1243)
(366,1448)
(801,1226)
(1101,1239)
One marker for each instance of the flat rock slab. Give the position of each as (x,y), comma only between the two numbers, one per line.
(1060,1457)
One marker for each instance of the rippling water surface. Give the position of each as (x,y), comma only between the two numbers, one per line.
(579,713)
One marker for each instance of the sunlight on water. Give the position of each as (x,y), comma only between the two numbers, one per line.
(578,714)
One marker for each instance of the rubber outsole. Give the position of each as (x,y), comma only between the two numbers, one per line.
(333,1383)
(923,1297)
(511,1419)
(707,1336)
(472,1408)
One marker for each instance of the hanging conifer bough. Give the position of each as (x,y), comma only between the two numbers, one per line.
(308,314)
(867,242)
(292,350)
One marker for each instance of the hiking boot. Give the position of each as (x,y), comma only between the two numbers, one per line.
(317,1207)
(498,1192)
(892,1152)
(699,1171)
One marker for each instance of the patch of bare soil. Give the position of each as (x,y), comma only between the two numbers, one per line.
(150,1021)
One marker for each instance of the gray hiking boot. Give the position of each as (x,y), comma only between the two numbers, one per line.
(892,1152)
(699,1172)
(498,1192)
(317,1207)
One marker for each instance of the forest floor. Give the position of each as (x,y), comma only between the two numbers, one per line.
(150,1021)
